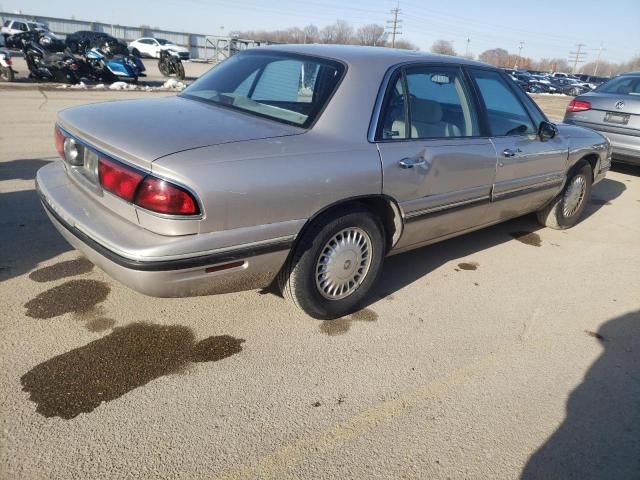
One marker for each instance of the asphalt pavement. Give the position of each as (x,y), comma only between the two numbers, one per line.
(509,352)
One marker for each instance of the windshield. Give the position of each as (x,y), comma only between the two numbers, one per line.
(162,41)
(625,85)
(281,86)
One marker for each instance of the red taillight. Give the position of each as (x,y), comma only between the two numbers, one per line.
(578,106)
(73,66)
(163,197)
(145,190)
(59,139)
(9,61)
(119,179)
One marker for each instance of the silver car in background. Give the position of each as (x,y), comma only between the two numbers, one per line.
(613,109)
(309,164)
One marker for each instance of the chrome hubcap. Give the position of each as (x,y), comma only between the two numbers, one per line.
(574,195)
(343,263)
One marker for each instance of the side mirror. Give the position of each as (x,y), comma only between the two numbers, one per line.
(547,131)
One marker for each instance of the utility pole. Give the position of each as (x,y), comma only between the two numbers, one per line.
(394,25)
(466,51)
(577,56)
(519,55)
(595,70)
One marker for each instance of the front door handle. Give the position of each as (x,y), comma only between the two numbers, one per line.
(410,162)
(507,152)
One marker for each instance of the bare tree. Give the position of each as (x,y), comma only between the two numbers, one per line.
(295,35)
(406,45)
(496,56)
(311,33)
(371,34)
(344,32)
(327,34)
(443,47)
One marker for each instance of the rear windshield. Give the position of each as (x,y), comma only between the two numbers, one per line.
(625,85)
(285,87)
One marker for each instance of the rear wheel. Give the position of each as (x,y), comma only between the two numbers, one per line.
(334,264)
(136,52)
(565,210)
(6,75)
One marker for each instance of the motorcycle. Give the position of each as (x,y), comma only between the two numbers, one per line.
(110,63)
(7,73)
(45,61)
(170,64)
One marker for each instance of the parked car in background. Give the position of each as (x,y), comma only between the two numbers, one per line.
(11,28)
(80,41)
(266,173)
(569,86)
(613,109)
(151,47)
(592,80)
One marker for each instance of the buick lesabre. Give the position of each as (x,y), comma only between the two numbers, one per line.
(308,165)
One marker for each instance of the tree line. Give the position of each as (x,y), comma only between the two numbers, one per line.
(341,32)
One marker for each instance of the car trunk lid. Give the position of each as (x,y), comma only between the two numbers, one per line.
(141,131)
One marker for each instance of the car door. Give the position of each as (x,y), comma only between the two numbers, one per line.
(530,170)
(436,161)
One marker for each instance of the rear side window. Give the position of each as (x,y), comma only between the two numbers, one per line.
(627,85)
(506,115)
(7,22)
(436,104)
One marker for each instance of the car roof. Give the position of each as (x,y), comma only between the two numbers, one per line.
(357,55)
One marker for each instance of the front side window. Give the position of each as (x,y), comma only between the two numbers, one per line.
(506,114)
(436,104)
(284,87)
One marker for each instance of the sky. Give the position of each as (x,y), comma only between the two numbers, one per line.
(548,28)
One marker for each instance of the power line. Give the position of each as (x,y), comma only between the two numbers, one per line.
(519,54)
(577,56)
(595,69)
(394,25)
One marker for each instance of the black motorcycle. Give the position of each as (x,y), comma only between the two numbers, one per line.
(170,64)
(47,60)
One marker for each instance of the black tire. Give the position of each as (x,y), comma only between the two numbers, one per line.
(180,71)
(554,215)
(297,279)
(163,68)
(574,92)
(73,46)
(6,75)
(135,52)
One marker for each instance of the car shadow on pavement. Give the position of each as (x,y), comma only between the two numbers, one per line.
(27,237)
(401,270)
(600,435)
(22,169)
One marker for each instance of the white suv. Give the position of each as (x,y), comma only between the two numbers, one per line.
(11,27)
(151,47)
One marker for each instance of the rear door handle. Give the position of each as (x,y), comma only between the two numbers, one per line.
(410,162)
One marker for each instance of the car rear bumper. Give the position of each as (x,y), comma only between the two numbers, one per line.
(626,148)
(240,267)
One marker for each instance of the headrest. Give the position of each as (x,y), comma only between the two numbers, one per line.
(426,111)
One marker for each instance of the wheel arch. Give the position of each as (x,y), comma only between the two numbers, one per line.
(590,159)
(383,206)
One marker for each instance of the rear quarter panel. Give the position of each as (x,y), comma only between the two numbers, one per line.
(261,182)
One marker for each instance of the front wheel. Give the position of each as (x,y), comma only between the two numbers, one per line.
(565,210)
(180,71)
(334,264)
